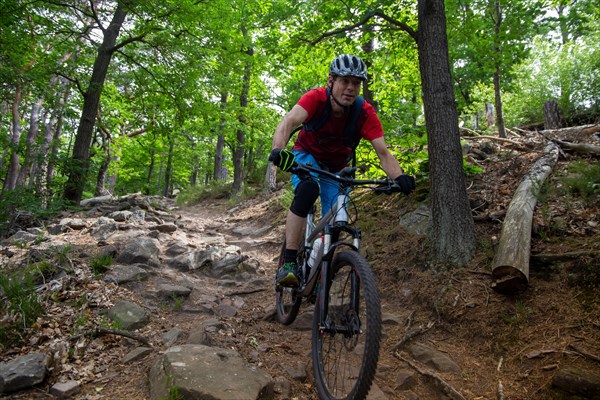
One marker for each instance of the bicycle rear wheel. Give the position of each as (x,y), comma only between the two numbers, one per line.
(287,300)
(345,344)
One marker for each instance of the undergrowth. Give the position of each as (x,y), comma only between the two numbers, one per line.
(20,306)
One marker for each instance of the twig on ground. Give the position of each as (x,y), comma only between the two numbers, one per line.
(445,386)
(584,352)
(500,391)
(98,331)
(411,334)
(242,292)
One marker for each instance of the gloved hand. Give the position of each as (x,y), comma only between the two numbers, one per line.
(406,183)
(282,158)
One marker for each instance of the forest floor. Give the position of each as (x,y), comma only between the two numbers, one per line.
(507,346)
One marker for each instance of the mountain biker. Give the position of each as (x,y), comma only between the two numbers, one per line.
(327,149)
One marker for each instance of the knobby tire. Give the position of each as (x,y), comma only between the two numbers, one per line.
(287,300)
(344,364)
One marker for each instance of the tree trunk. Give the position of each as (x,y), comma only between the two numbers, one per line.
(368,48)
(579,147)
(271,178)
(510,268)
(168,188)
(34,124)
(218,173)
(195,170)
(238,154)
(551,115)
(83,140)
(151,166)
(452,230)
(498,103)
(49,146)
(103,170)
(489,114)
(13,166)
(497,97)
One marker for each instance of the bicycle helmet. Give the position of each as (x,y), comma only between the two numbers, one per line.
(348,65)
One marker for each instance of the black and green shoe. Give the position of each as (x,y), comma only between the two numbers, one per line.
(287,275)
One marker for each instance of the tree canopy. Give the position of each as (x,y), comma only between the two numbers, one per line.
(157,96)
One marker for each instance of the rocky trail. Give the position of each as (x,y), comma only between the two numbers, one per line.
(187,302)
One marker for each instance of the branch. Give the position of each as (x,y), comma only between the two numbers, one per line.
(95,17)
(399,24)
(98,331)
(138,132)
(493,138)
(584,353)
(72,80)
(138,38)
(446,387)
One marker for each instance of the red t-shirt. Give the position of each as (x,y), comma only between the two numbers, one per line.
(327,145)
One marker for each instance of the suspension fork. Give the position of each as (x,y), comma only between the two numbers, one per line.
(326,276)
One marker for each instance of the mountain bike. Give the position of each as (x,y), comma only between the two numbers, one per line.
(339,281)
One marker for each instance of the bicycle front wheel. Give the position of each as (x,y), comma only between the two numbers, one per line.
(346,340)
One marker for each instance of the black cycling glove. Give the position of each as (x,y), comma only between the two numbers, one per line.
(282,158)
(406,183)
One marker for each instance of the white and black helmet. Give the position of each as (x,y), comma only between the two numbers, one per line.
(348,65)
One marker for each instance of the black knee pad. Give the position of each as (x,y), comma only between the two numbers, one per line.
(305,196)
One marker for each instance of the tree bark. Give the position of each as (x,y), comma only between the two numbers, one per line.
(579,147)
(34,124)
(83,139)
(168,188)
(103,170)
(218,173)
(13,166)
(271,178)
(551,115)
(452,230)
(497,96)
(510,268)
(238,154)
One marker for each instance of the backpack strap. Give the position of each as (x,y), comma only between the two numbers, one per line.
(319,120)
(351,136)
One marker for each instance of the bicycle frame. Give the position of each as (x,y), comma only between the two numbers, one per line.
(330,227)
(343,288)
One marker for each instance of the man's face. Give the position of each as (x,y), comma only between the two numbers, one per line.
(345,88)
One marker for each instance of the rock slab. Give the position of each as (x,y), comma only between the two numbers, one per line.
(202,372)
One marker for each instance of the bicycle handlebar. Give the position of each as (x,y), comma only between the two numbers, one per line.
(346,178)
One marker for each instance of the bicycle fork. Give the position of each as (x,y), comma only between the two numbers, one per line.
(348,323)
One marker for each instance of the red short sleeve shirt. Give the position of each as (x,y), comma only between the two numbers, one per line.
(327,145)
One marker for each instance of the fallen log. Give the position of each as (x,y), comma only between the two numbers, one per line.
(510,268)
(572,132)
(579,147)
(559,258)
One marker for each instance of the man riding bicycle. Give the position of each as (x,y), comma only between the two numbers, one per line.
(329,145)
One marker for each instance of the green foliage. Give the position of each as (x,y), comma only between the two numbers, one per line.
(168,97)
(100,264)
(584,180)
(21,302)
(177,302)
(518,317)
(197,194)
(24,201)
(471,169)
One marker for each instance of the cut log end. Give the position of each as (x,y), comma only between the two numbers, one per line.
(508,280)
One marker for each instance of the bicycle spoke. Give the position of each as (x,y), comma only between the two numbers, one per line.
(346,342)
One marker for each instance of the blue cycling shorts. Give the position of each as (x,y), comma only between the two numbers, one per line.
(328,188)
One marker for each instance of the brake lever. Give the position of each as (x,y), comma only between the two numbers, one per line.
(392,187)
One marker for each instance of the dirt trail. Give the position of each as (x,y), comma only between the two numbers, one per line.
(517,343)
